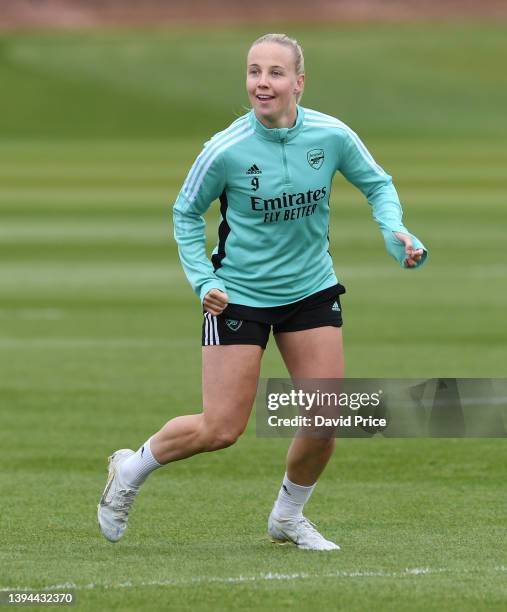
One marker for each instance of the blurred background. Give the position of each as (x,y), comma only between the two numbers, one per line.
(104,105)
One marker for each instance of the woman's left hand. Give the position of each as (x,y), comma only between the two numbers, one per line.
(413,256)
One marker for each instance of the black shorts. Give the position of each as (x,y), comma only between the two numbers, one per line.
(239,324)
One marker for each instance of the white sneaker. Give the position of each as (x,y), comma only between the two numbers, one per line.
(298,530)
(117,499)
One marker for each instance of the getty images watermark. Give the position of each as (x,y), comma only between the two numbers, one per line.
(440,407)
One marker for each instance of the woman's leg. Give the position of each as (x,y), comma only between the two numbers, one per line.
(230,375)
(311,353)
(229,382)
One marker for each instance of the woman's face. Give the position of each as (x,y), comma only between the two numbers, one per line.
(272,82)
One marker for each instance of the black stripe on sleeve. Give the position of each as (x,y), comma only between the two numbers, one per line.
(223,232)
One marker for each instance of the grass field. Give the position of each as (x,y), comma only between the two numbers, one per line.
(100,341)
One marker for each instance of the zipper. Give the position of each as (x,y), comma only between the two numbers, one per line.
(286,177)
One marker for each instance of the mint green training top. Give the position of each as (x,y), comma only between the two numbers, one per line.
(274,187)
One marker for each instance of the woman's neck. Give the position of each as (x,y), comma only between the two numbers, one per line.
(287,120)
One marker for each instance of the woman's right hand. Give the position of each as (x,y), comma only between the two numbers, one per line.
(215,301)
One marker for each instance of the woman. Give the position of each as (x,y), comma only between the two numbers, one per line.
(272,171)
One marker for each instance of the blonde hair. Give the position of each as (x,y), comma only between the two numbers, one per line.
(292,43)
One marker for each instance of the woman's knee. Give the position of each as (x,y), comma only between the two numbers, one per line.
(221,434)
(221,437)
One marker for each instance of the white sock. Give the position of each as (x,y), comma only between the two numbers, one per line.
(136,469)
(291,499)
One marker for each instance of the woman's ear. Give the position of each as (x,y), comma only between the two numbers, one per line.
(300,83)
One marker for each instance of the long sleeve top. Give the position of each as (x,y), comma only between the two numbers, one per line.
(274,188)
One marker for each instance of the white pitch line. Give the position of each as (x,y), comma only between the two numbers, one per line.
(416,571)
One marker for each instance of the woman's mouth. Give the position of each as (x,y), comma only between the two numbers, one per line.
(264,97)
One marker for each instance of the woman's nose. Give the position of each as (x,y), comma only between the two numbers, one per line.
(262,80)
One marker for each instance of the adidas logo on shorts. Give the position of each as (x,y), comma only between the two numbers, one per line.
(335,307)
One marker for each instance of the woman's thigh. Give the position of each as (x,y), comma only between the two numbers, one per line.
(313,353)
(230,374)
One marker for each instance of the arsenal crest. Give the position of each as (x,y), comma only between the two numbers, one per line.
(233,325)
(315,158)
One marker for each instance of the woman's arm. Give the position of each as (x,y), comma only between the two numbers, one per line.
(204,184)
(359,167)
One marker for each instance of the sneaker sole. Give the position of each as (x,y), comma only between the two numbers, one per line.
(286,540)
(111,469)
(111,472)
(110,475)
(280,542)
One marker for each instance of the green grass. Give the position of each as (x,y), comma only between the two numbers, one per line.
(99,331)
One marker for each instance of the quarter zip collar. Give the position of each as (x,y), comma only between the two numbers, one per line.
(277,134)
